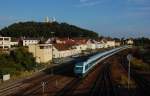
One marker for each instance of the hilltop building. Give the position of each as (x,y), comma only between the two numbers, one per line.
(130,41)
(47,19)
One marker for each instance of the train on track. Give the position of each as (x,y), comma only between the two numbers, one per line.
(82,68)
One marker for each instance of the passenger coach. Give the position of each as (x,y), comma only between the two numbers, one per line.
(82,68)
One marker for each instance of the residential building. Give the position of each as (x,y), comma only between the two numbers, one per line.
(5,42)
(100,45)
(29,41)
(14,43)
(80,44)
(110,44)
(42,52)
(117,43)
(91,44)
(64,50)
(129,41)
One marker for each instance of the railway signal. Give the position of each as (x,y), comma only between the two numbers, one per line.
(129,57)
(43,86)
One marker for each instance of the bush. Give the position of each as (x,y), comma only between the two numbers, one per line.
(17,61)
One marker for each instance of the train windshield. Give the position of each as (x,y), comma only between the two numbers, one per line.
(79,68)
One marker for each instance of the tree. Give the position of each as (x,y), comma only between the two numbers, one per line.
(41,29)
(17,61)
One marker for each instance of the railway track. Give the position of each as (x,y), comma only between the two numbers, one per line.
(14,87)
(72,88)
(103,85)
(37,88)
(30,86)
(143,85)
(69,88)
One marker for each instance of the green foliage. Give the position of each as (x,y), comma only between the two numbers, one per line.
(139,65)
(142,41)
(41,29)
(17,61)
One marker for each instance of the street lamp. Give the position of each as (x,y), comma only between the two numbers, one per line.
(129,57)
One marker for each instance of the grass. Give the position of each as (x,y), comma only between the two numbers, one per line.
(138,64)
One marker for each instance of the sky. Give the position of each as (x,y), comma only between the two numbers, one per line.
(115,18)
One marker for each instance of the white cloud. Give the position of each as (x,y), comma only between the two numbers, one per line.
(88,3)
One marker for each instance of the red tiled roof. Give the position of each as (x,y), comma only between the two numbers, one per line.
(62,47)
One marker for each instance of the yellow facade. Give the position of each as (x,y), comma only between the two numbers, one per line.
(42,52)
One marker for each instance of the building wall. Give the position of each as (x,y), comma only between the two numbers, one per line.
(130,42)
(117,44)
(83,47)
(91,46)
(14,43)
(5,42)
(100,45)
(42,52)
(65,53)
(110,44)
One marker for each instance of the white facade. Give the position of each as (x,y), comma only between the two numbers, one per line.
(14,43)
(28,42)
(91,45)
(64,53)
(110,44)
(117,43)
(100,45)
(130,42)
(81,47)
(42,52)
(5,42)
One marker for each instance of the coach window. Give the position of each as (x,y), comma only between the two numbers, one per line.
(86,67)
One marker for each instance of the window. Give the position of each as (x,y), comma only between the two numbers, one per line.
(86,67)
(41,47)
(6,47)
(79,68)
(6,39)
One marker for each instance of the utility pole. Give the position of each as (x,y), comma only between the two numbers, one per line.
(52,52)
(129,57)
(51,71)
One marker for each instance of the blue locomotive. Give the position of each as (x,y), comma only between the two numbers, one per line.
(82,68)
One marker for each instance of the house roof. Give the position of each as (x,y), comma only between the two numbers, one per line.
(76,41)
(62,46)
